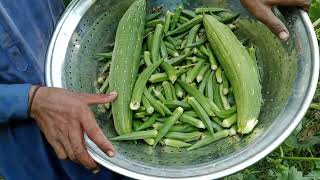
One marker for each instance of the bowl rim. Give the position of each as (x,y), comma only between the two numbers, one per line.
(61,36)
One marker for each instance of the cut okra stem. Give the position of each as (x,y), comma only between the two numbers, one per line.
(193,121)
(225,83)
(212,58)
(224,98)
(179,91)
(173,53)
(233,130)
(140,85)
(227,123)
(156,42)
(148,123)
(194,72)
(176,143)
(175,18)
(210,139)
(195,59)
(184,137)
(204,82)
(169,123)
(167,91)
(147,105)
(101,79)
(219,75)
(202,73)
(147,58)
(136,135)
(186,26)
(171,72)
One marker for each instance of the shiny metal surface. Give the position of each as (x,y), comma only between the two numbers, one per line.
(289,75)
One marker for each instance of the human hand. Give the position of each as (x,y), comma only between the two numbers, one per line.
(262,10)
(64,117)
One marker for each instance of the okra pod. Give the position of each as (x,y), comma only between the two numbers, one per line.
(192,34)
(168,124)
(149,141)
(163,50)
(153,101)
(204,10)
(212,58)
(195,59)
(203,72)
(167,91)
(140,85)
(175,98)
(181,36)
(204,50)
(219,75)
(176,128)
(173,53)
(136,124)
(188,13)
(201,112)
(193,121)
(146,104)
(225,83)
(150,42)
(198,43)
(179,91)
(166,110)
(224,98)
(136,135)
(175,104)
(147,32)
(160,77)
(105,68)
(186,26)
(153,16)
(194,72)
(184,137)
(199,54)
(140,115)
(209,88)
(167,22)
(233,130)
(172,41)
(175,18)
(175,143)
(105,86)
(171,72)
(226,19)
(183,20)
(148,123)
(169,45)
(156,43)
(147,58)
(184,44)
(159,95)
(153,23)
(204,82)
(227,123)
(216,93)
(179,59)
(183,77)
(213,138)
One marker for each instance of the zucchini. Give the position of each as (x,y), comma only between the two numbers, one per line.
(241,71)
(125,66)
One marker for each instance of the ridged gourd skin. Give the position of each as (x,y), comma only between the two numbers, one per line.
(240,70)
(125,64)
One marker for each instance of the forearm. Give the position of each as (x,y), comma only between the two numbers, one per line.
(14,102)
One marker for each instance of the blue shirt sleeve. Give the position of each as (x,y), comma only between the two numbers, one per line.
(14,101)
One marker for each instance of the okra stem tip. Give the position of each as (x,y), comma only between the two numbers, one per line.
(134,105)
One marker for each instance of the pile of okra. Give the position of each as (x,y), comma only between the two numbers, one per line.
(169,114)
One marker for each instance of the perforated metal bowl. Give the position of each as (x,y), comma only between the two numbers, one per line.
(289,70)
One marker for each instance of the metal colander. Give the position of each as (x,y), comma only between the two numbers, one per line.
(289,74)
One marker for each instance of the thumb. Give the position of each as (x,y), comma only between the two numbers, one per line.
(92,99)
(274,23)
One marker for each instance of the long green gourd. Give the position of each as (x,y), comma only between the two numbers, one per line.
(239,69)
(125,63)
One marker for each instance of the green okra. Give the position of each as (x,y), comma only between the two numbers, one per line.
(150,42)
(199,54)
(167,91)
(153,23)
(146,104)
(176,128)
(230,121)
(163,50)
(101,79)
(194,72)
(175,18)
(212,58)
(188,13)
(104,56)
(214,10)
(201,112)
(105,86)
(175,98)
(219,75)
(179,59)
(136,135)
(204,82)
(169,123)
(171,72)
(192,34)
(147,32)
(181,36)
(179,91)
(154,102)
(136,124)
(148,123)
(172,41)
(173,53)
(149,141)
(192,120)
(147,58)
(228,18)
(169,45)
(167,22)
(204,50)
(159,95)
(174,104)
(203,72)
(225,102)
(153,16)
(183,20)
(105,68)
(209,88)
(184,137)
(175,143)
(160,77)
(195,59)
(155,52)
(210,139)
(225,83)
(191,113)
(198,43)
(183,77)
(140,85)
(186,26)
(184,44)
(140,115)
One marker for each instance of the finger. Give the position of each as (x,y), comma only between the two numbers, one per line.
(91,99)
(96,135)
(65,141)
(305,4)
(79,148)
(266,16)
(58,148)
